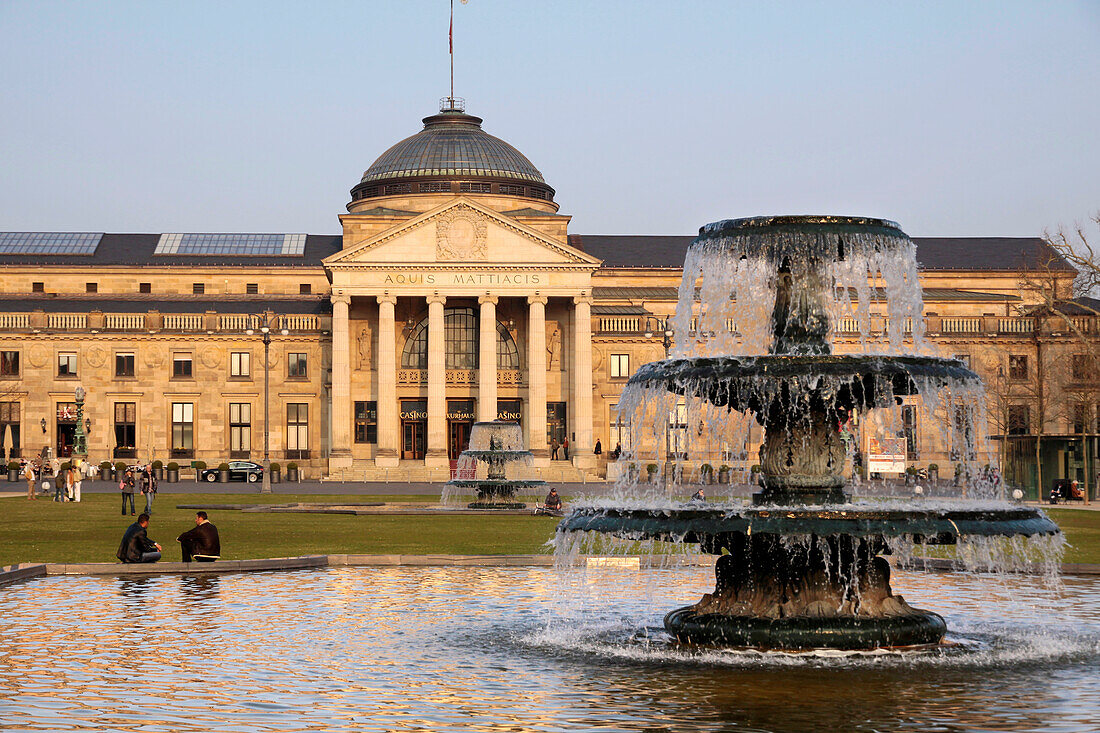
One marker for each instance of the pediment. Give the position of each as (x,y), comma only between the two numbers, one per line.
(460,233)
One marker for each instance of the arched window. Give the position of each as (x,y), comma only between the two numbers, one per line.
(507,353)
(460,336)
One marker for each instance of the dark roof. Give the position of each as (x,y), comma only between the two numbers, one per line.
(452,144)
(137,249)
(933,253)
(166,304)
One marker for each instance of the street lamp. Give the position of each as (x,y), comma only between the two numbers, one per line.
(664,327)
(267,321)
(80,443)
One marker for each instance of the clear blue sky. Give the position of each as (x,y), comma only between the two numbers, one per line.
(953,118)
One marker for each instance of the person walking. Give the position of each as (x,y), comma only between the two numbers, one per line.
(148,487)
(28,474)
(78,477)
(565,448)
(598,450)
(126,486)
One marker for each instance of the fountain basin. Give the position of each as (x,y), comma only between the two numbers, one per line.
(707,526)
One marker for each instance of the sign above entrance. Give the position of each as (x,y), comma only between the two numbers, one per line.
(510,410)
(414,410)
(461,410)
(498,277)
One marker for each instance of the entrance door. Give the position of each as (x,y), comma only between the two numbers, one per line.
(555,421)
(459,438)
(66,428)
(414,439)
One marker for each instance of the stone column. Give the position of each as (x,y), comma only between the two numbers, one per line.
(487,359)
(387,454)
(580,447)
(340,451)
(536,379)
(437,384)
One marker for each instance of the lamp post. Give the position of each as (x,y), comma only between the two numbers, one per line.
(80,441)
(266,321)
(664,327)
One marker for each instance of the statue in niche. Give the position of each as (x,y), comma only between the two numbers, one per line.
(363,348)
(553,346)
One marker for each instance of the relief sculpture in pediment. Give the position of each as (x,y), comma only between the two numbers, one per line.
(460,235)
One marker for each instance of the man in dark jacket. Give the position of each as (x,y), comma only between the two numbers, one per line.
(202,542)
(136,545)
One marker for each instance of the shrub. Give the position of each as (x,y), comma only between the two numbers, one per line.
(757,468)
(274,466)
(911,470)
(706,469)
(724,468)
(66,466)
(292,466)
(13,465)
(223,466)
(120,467)
(651,468)
(934,467)
(157,464)
(200,465)
(173,466)
(105,467)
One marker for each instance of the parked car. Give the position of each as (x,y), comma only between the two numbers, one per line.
(238,471)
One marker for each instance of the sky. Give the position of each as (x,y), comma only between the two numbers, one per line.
(952,118)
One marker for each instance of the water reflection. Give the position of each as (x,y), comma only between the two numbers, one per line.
(487,649)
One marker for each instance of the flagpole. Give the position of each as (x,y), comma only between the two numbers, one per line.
(451,45)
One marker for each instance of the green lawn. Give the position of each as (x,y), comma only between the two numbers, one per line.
(45,531)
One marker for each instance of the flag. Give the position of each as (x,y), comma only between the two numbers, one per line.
(451,36)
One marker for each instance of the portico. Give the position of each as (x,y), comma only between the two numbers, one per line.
(456,314)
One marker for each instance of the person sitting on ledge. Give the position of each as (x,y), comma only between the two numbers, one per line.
(136,545)
(202,543)
(699,496)
(553,501)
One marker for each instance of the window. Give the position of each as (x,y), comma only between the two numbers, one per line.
(240,364)
(1083,367)
(9,363)
(91,287)
(124,365)
(964,358)
(38,287)
(1017,366)
(252,288)
(436,187)
(240,429)
(297,430)
(619,431)
(296,365)
(507,353)
(366,422)
(183,430)
(460,334)
(66,364)
(909,428)
(678,431)
(1080,417)
(475,187)
(305,289)
(181,366)
(620,366)
(9,425)
(145,287)
(125,430)
(198,288)
(1018,420)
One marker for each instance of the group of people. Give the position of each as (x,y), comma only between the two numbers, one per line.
(563,447)
(68,477)
(200,544)
(138,478)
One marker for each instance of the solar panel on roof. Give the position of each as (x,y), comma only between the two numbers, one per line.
(49,243)
(257,245)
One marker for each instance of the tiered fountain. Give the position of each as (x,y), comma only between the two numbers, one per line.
(801,567)
(496,444)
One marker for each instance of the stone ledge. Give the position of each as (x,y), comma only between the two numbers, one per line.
(188,568)
(22,571)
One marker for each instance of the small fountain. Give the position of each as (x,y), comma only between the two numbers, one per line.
(801,567)
(496,443)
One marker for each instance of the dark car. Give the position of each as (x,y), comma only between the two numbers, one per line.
(238,471)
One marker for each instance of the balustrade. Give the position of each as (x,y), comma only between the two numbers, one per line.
(125,321)
(67,321)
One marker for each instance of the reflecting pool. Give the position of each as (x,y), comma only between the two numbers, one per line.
(516,649)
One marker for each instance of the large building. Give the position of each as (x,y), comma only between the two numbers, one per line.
(455,293)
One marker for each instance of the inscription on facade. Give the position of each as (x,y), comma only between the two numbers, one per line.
(463,278)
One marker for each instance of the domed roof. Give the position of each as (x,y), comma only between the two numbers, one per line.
(452,147)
